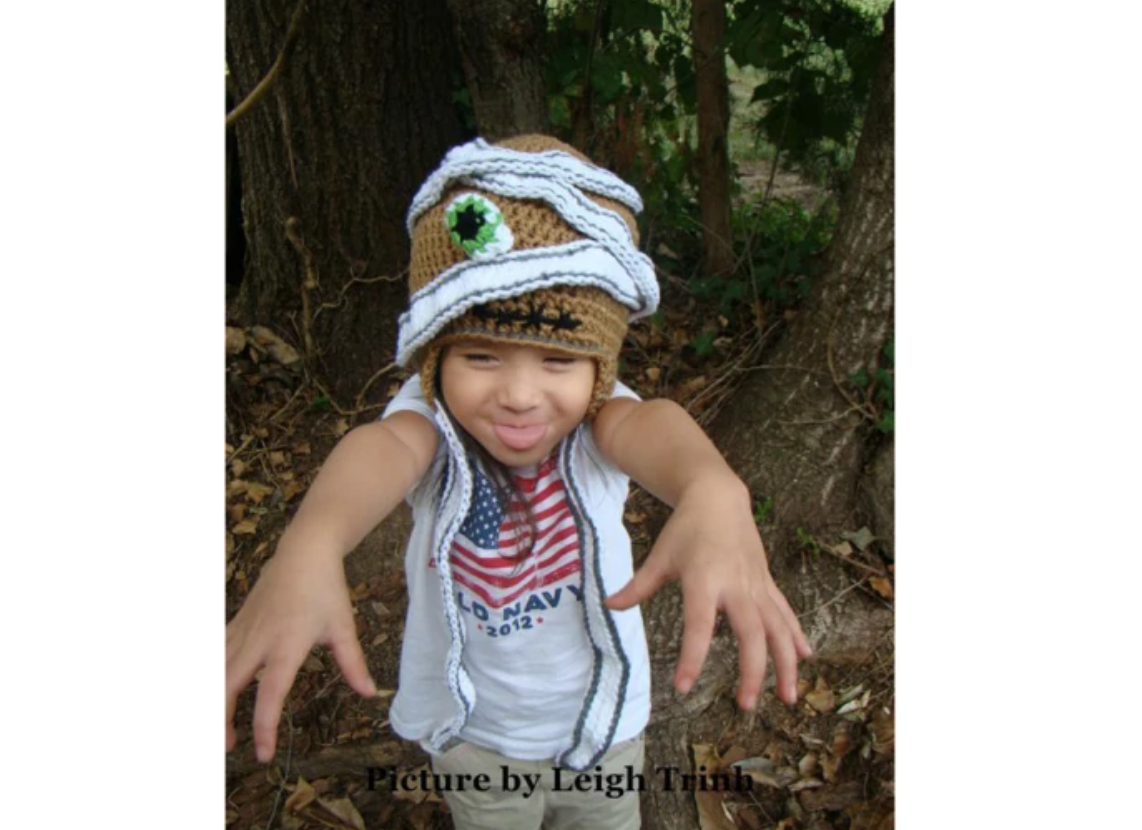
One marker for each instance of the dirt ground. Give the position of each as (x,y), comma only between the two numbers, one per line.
(826,763)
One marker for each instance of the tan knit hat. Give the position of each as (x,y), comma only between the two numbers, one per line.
(524,241)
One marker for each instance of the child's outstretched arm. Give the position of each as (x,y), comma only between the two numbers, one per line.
(301,598)
(711,544)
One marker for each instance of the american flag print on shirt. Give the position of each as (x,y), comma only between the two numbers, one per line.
(490,554)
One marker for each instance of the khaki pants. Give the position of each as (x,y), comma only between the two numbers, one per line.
(553,804)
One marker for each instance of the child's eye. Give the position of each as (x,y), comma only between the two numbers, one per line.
(560,362)
(478,357)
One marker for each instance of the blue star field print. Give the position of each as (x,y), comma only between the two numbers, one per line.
(482,525)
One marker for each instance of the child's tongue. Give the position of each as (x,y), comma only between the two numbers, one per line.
(520,438)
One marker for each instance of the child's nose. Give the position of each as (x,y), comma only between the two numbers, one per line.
(519,391)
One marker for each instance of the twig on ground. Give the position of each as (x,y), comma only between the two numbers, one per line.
(829,602)
(348,413)
(850,561)
(286,406)
(382,371)
(264,85)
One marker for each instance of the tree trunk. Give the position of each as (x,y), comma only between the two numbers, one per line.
(330,158)
(501,44)
(708,21)
(792,434)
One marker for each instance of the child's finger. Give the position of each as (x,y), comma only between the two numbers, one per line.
(272,690)
(643,585)
(750,632)
(350,657)
(699,611)
(784,651)
(239,673)
(800,641)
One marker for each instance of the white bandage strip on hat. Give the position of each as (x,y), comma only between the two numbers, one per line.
(477,159)
(472,282)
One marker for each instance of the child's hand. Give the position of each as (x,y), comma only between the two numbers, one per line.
(712,545)
(300,600)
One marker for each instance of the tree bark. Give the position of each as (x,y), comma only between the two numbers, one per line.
(791,433)
(330,158)
(708,21)
(501,44)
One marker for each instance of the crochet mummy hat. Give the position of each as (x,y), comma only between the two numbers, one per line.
(525,241)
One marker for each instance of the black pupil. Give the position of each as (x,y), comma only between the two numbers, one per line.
(469,222)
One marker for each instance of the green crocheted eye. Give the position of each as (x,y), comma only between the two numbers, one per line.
(477,226)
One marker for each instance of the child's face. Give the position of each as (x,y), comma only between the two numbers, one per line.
(518,401)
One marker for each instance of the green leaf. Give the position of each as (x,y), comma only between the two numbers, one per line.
(636,16)
(859,378)
(703,344)
(559,112)
(606,78)
(321,403)
(887,423)
(769,89)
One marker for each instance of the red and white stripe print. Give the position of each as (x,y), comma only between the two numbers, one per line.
(500,574)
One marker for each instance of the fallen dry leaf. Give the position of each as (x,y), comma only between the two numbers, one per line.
(842,742)
(805,784)
(712,812)
(843,549)
(764,771)
(277,458)
(691,386)
(883,731)
(882,586)
(653,373)
(342,812)
(282,352)
(340,428)
(302,796)
(302,448)
(236,488)
(732,755)
(705,755)
(238,466)
(246,527)
(235,340)
(312,664)
(749,818)
(861,538)
(808,765)
(823,700)
(255,492)
(829,767)
(412,791)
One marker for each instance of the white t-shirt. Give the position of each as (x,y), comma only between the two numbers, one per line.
(526,647)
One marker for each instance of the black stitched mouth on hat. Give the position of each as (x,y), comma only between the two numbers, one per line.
(534,317)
